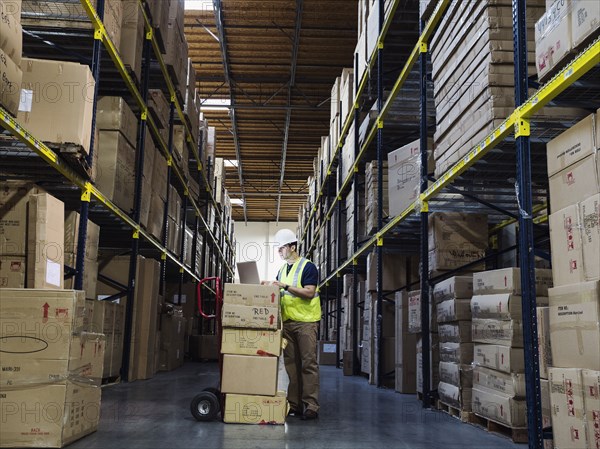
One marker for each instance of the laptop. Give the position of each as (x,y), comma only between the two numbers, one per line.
(248,272)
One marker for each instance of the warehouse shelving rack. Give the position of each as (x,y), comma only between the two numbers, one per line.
(25,157)
(578,82)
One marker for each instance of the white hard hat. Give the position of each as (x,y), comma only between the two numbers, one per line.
(285,237)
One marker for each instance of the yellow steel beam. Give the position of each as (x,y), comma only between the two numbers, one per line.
(505,223)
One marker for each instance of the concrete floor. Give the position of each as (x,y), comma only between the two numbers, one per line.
(155,414)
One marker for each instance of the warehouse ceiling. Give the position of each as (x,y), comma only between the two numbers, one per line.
(265,71)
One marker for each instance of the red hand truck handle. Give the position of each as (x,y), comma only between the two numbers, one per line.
(219,296)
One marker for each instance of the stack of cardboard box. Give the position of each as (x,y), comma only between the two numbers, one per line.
(573,166)
(567,25)
(349,302)
(404,176)
(251,346)
(50,370)
(11,49)
(90,272)
(173,327)
(498,335)
(456,239)
(31,237)
(406,345)
(372,198)
(453,300)
(353,209)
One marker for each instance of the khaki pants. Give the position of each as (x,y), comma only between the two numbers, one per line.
(300,357)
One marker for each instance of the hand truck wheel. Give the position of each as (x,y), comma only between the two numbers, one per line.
(205,406)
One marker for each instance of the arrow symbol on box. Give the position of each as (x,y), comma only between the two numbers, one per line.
(46,307)
(273,298)
(271,319)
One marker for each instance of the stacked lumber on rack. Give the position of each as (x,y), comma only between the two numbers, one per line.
(498,350)
(251,344)
(473,74)
(574,313)
(453,302)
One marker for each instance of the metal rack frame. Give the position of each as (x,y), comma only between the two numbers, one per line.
(88,190)
(517,124)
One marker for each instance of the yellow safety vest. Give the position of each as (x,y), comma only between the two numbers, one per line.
(293,307)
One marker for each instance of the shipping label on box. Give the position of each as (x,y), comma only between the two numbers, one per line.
(459,332)
(12,271)
(251,342)
(566,397)
(259,375)
(566,243)
(499,407)
(251,295)
(246,409)
(510,384)
(553,37)
(257,317)
(454,310)
(498,332)
(571,146)
(508,280)
(589,214)
(585,20)
(575,325)
(457,287)
(591,399)
(498,357)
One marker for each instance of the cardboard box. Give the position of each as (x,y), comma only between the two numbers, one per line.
(456,397)
(499,358)
(445,260)
(508,280)
(250,342)
(591,399)
(544,348)
(498,332)
(245,409)
(404,175)
(566,244)
(575,183)
(116,164)
(509,384)
(260,375)
(456,287)
(458,231)
(257,317)
(327,353)
(59,107)
(589,213)
(454,310)
(456,352)
(566,397)
(45,242)
(62,423)
(71,239)
(500,408)
(172,329)
(14,199)
(434,362)
(12,271)
(11,78)
(113,114)
(456,374)
(553,37)
(573,145)
(393,279)
(27,361)
(406,362)
(575,325)
(132,37)
(546,407)
(585,20)
(251,295)
(459,332)
(11,32)
(502,306)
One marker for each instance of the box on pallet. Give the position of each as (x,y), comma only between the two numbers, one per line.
(502,306)
(499,407)
(544,348)
(260,375)
(510,384)
(508,280)
(457,332)
(575,325)
(453,310)
(405,348)
(573,145)
(498,332)
(456,374)
(456,352)
(116,169)
(11,77)
(11,31)
(434,362)
(566,397)
(455,396)
(57,106)
(575,183)
(457,287)
(414,313)
(249,409)
(591,392)
(553,37)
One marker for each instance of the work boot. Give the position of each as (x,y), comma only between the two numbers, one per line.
(293,413)
(309,415)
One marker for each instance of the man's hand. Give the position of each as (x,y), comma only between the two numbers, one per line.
(278,284)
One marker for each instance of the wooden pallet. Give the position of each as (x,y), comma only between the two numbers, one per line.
(455,412)
(74,155)
(517,435)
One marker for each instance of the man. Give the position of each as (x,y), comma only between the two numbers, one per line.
(301,312)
